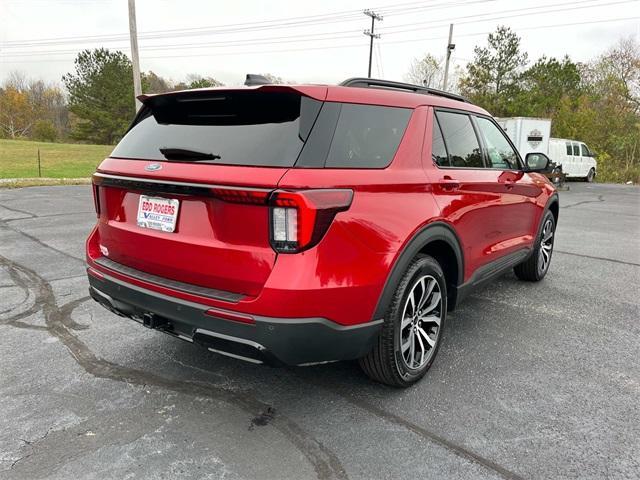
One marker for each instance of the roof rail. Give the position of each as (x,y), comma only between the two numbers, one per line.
(377,83)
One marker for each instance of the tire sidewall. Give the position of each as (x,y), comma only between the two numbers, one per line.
(424,266)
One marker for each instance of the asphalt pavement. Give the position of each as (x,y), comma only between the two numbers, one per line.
(532,380)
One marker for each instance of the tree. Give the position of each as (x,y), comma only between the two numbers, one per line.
(100,95)
(17,114)
(427,71)
(24,102)
(544,85)
(492,79)
(274,79)
(153,83)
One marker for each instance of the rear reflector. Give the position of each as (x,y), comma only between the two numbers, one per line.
(96,198)
(233,316)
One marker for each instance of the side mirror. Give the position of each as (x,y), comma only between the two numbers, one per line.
(536,162)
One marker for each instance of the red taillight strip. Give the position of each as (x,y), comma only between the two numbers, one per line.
(241,195)
(233,316)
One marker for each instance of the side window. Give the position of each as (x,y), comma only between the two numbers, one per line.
(367,136)
(585,150)
(500,153)
(569,149)
(576,150)
(438,150)
(460,137)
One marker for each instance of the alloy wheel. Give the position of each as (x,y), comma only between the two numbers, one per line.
(421,319)
(546,246)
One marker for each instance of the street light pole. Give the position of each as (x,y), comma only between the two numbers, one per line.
(450,48)
(135,59)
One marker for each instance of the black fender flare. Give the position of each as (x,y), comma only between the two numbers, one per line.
(431,232)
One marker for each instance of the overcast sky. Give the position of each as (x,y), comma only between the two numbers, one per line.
(319,41)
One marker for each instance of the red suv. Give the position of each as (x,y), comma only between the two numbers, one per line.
(307,224)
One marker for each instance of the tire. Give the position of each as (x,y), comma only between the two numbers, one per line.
(590,176)
(391,361)
(534,268)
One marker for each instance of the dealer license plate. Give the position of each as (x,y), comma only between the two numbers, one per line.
(158,213)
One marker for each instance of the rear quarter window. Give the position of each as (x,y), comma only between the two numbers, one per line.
(367,136)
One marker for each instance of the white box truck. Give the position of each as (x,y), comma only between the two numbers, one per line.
(527,133)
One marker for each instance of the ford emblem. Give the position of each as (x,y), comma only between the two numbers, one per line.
(153,167)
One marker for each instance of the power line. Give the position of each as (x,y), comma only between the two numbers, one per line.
(330,36)
(304,20)
(358,45)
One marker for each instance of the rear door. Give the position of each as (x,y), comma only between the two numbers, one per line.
(479,199)
(183,195)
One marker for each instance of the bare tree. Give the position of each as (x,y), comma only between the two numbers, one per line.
(427,71)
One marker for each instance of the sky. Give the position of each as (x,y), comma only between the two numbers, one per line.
(302,41)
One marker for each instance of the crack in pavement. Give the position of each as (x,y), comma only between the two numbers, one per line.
(59,324)
(17,210)
(428,435)
(4,225)
(33,216)
(598,258)
(600,199)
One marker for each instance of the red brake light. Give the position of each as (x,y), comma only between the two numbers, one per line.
(299,219)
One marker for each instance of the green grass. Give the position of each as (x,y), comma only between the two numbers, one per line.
(19,159)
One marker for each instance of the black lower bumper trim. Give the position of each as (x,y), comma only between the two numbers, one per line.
(271,340)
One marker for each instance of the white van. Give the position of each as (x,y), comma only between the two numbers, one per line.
(576,158)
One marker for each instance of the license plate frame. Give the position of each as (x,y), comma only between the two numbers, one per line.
(158,213)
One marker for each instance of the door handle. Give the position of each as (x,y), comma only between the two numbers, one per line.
(449,184)
(509,185)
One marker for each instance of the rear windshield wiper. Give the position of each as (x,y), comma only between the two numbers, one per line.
(183,154)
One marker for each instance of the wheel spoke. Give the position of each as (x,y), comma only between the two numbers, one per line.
(421,350)
(405,322)
(429,340)
(435,301)
(406,345)
(412,350)
(430,319)
(426,292)
(412,301)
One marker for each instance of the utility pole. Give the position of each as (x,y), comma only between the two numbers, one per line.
(450,48)
(370,33)
(135,59)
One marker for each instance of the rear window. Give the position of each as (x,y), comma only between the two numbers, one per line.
(282,129)
(235,128)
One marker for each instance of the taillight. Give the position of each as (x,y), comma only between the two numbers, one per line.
(299,219)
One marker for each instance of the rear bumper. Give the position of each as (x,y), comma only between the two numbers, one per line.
(258,339)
